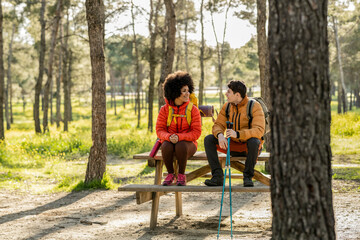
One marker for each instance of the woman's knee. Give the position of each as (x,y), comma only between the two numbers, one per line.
(167,146)
(181,146)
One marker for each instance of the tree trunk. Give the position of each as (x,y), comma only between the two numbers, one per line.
(113,88)
(8,84)
(357,96)
(263,53)
(202,49)
(178,53)
(137,67)
(170,48)
(341,85)
(95,15)
(185,14)
(2,130)
(23,99)
(152,58)
(300,123)
(48,84)
(220,51)
(39,80)
(59,80)
(123,89)
(65,74)
(69,85)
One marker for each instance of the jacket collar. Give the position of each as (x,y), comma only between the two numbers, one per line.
(172,104)
(243,102)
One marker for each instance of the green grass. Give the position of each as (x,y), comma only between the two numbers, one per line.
(348,173)
(57,161)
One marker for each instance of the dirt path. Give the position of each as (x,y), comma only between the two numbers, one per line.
(115,215)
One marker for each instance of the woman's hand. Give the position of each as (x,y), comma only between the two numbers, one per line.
(174,138)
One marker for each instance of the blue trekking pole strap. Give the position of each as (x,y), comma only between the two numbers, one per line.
(227,166)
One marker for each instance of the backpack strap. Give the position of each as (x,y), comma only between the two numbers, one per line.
(227,111)
(170,116)
(249,108)
(188,112)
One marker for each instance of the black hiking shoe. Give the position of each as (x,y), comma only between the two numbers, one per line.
(248,182)
(217,178)
(214,181)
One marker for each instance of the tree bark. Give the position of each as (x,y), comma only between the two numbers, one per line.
(65,75)
(301,195)
(113,87)
(8,83)
(263,53)
(202,49)
(69,85)
(48,83)
(59,80)
(137,67)
(2,130)
(152,58)
(170,48)
(95,16)
(220,50)
(341,84)
(39,80)
(185,14)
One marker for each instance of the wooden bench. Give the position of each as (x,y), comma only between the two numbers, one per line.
(145,193)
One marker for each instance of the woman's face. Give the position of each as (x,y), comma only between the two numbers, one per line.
(184,96)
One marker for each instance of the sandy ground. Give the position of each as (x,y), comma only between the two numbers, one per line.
(115,215)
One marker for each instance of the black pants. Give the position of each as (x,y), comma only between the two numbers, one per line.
(210,143)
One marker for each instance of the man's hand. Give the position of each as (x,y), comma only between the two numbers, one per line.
(174,138)
(230,133)
(223,143)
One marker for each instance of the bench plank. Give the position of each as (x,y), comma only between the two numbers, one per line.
(201,155)
(257,175)
(189,188)
(233,175)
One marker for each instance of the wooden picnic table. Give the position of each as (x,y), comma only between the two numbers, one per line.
(145,192)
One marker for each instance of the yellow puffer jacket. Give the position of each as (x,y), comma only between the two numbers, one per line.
(238,116)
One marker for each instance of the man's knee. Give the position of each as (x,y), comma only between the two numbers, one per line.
(253,143)
(209,140)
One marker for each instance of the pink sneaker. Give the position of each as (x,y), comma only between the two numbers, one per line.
(181,181)
(170,178)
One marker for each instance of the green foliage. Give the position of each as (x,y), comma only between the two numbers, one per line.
(346,125)
(348,173)
(54,145)
(105,183)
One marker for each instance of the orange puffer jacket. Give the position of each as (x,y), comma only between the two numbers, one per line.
(238,116)
(181,128)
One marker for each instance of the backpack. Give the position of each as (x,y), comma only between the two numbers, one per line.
(249,108)
(171,116)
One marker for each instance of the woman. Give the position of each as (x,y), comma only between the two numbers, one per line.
(178,125)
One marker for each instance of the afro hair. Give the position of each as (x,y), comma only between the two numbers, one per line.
(174,82)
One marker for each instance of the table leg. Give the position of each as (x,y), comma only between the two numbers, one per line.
(156,198)
(178,196)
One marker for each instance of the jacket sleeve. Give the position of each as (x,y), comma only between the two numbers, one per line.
(220,123)
(195,127)
(161,128)
(257,129)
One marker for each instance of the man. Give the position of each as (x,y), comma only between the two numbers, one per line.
(246,138)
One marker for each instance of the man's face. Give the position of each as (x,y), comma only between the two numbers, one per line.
(233,98)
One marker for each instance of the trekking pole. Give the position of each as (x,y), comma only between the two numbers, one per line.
(227,166)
